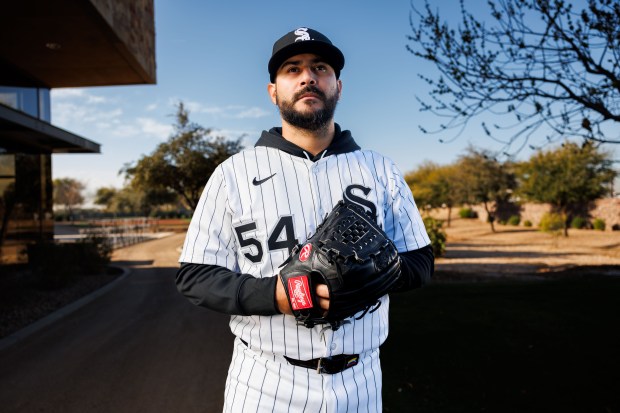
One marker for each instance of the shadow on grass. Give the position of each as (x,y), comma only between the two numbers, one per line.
(132,263)
(471,253)
(505,347)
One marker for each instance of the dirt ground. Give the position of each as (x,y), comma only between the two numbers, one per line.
(518,251)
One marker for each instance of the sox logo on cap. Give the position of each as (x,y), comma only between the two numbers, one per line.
(303,34)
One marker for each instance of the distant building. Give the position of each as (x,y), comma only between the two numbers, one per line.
(53,44)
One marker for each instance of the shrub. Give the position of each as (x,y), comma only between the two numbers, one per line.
(97,251)
(552,222)
(437,235)
(514,220)
(468,213)
(578,223)
(53,265)
(527,223)
(599,224)
(56,265)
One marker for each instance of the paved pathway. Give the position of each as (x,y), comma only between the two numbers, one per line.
(139,348)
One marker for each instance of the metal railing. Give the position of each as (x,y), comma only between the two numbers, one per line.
(122,232)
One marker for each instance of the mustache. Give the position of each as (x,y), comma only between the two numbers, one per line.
(310,89)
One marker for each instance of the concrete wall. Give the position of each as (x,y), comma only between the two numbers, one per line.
(133,21)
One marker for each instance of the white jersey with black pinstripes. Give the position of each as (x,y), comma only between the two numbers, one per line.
(261,202)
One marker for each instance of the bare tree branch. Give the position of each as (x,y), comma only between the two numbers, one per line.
(554,70)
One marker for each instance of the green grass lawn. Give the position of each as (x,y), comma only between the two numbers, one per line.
(551,346)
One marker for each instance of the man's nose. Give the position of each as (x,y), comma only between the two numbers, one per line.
(308,77)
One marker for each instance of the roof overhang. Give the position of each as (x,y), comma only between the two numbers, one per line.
(23,133)
(77,43)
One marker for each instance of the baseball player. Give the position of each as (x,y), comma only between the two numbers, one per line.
(261,203)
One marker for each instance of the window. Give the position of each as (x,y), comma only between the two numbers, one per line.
(33,101)
(25,203)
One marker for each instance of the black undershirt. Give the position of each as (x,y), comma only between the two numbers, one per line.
(230,292)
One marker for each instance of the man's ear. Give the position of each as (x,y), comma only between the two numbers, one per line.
(339,83)
(271,88)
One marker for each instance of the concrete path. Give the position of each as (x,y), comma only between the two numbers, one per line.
(141,347)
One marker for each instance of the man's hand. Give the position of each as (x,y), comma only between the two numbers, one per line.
(281,300)
(323,294)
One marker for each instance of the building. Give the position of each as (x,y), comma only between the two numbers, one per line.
(53,44)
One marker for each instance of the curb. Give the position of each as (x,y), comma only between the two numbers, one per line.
(25,332)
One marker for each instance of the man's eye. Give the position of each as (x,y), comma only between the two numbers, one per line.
(293,69)
(321,68)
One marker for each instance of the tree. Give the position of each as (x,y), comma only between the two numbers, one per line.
(433,186)
(68,192)
(483,179)
(568,178)
(105,197)
(132,201)
(181,165)
(542,62)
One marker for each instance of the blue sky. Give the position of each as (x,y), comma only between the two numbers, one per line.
(213,56)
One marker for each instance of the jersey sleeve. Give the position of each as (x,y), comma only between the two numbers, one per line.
(209,238)
(402,218)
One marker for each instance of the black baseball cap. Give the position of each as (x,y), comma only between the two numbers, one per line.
(304,40)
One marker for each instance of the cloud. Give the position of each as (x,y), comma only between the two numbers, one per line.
(197,107)
(77,94)
(100,118)
(80,110)
(123,130)
(253,112)
(228,111)
(67,93)
(97,117)
(71,115)
(95,99)
(152,127)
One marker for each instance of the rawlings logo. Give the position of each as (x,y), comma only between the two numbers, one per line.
(304,254)
(302,34)
(299,293)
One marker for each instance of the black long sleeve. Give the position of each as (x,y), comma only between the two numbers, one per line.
(226,291)
(229,292)
(417,267)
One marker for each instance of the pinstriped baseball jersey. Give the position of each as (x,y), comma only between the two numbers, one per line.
(263,201)
(266,383)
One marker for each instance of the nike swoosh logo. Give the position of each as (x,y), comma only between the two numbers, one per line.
(256,182)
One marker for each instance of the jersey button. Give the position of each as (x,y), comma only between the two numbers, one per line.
(334,346)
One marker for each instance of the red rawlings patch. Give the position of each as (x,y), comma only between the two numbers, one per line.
(299,292)
(304,254)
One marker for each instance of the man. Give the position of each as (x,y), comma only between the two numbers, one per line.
(262,202)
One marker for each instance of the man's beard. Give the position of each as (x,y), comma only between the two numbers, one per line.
(312,120)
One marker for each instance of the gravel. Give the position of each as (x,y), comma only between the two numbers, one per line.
(22,304)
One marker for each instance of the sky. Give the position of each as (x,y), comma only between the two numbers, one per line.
(212,55)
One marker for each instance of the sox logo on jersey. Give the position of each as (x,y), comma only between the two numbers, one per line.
(363,202)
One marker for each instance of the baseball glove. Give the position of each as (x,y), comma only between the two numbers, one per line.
(352,256)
